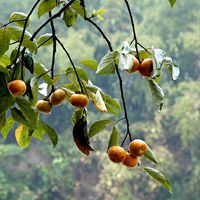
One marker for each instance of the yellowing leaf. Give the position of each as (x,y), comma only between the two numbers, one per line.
(22,136)
(99,102)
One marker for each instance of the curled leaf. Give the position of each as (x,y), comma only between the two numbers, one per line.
(99,102)
(80,136)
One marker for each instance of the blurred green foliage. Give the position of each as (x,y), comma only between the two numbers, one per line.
(41,172)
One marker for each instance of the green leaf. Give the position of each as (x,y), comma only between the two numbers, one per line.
(107,63)
(159,177)
(5,103)
(114,137)
(172,2)
(76,5)
(27,110)
(17,74)
(3,86)
(98,126)
(76,115)
(28,62)
(92,64)
(6,129)
(149,155)
(4,41)
(112,102)
(157,93)
(71,76)
(2,120)
(31,45)
(159,56)
(46,6)
(174,70)
(45,40)
(19,16)
(18,116)
(39,132)
(22,136)
(69,17)
(39,69)
(16,33)
(50,132)
(3,69)
(4,60)
(13,55)
(98,14)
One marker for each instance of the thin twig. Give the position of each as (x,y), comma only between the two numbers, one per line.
(116,67)
(38,78)
(14,21)
(74,67)
(54,49)
(133,28)
(44,42)
(51,18)
(22,37)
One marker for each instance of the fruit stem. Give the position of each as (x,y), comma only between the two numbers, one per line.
(116,67)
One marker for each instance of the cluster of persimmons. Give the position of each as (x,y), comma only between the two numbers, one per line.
(116,154)
(145,68)
(18,88)
(136,149)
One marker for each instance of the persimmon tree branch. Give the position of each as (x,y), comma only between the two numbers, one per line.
(72,63)
(13,21)
(51,18)
(54,49)
(22,37)
(133,28)
(116,67)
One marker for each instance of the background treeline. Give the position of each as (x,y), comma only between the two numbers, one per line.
(41,172)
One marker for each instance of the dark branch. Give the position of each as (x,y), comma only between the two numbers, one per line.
(54,48)
(22,38)
(51,18)
(74,67)
(116,67)
(133,28)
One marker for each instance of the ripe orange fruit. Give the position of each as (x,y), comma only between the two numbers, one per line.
(17,87)
(130,160)
(138,147)
(57,97)
(79,100)
(146,67)
(135,66)
(43,106)
(116,154)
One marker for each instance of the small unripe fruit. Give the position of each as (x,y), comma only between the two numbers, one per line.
(116,154)
(146,67)
(138,147)
(79,100)
(57,97)
(135,66)
(130,160)
(17,87)
(43,106)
